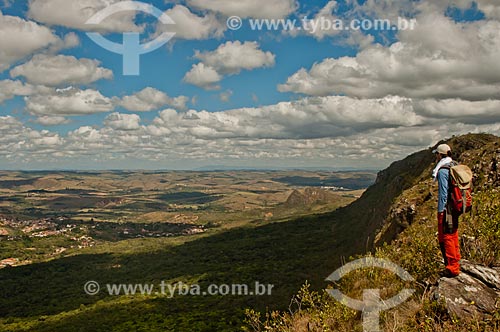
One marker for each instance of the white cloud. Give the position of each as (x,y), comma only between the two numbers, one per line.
(179,102)
(392,9)
(61,70)
(474,112)
(191,26)
(333,131)
(150,99)
(203,76)
(8,121)
(326,14)
(327,24)
(21,143)
(10,89)
(228,59)
(51,120)
(232,57)
(440,59)
(74,14)
(491,8)
(388,9)
(248,8)
(86,135)
(120,121)
(20,38)
(313,25)
(46,139)
(146,100)
(70,40)
(68,102)
(444,78)
(307,118)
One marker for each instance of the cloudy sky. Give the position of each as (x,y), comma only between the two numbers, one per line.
(245,98)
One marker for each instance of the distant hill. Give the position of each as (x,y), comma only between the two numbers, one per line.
(308,197)
(356,180)
(49,296)
(215,168)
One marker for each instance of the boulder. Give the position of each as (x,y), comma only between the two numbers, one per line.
(475,293)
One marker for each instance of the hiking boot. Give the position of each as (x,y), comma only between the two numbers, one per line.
(448,274)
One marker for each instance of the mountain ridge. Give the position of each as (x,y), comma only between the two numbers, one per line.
(281,253)
(405,234)
(382,211)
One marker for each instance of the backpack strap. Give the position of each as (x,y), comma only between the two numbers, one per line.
(464,201)
(449,165)
(450,184)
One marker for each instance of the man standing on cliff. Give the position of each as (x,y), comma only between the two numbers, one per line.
(447,222)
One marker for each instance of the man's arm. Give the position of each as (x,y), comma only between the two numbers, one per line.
(443,176)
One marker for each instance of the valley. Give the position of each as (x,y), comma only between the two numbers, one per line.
(45,215)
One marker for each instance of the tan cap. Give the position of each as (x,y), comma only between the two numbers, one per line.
(442,149)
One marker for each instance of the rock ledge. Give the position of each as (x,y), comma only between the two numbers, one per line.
(475,293)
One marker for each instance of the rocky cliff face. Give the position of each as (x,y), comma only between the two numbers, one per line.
(416,199)
(405,194)
(369,214)
(475,293)
(400,209)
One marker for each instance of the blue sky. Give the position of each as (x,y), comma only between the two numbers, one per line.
(244,98)
(164,69)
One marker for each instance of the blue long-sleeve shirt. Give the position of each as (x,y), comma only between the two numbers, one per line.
(443,177)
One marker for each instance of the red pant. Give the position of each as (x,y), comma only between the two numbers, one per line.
(448,242)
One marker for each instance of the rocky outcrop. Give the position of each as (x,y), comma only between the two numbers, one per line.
(309,196)
(475,293)
(416,198)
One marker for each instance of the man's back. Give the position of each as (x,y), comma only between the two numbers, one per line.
(443,183)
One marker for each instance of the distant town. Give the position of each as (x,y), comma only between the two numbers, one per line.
(83,234)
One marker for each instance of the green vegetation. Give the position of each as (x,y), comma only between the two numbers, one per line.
(248,236)
(276,253)
(482,230)
(415,249)
(188,197)
(394,219)
(112,206)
